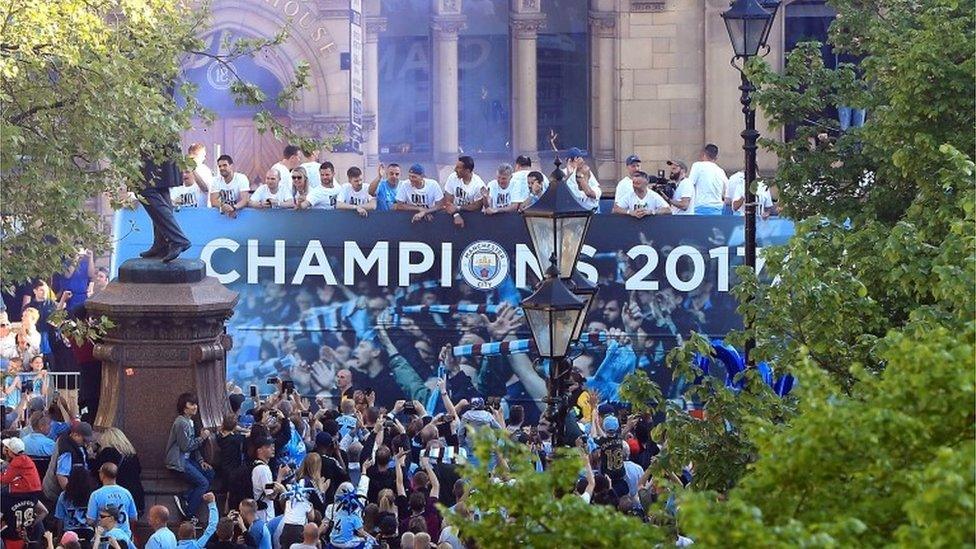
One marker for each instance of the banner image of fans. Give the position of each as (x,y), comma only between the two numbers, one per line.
(337,303)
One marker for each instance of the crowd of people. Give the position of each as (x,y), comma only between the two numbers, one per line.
(284,471)
(299,181)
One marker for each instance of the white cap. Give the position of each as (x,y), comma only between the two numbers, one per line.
(14,444)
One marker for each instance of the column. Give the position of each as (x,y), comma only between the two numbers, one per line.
(374,26)
(603,27)
(446,24)
(526,23)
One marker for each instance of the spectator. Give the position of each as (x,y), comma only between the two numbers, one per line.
(289,161)
(225,535)
(183,455)
(354,195)
(76,278)
(333,468)
(343,382)
(72,505)
(40,383)
(101,280)
(71,452)
(230,442)
(501,195)
(12,382)
(38,443)
(310,538)
(574,163)
(109,525)
(304,197)
(115,448)
(536,188)
(42,303)
(683,200)
(312,167)
(8,341)
(21,475)
(264,486)
(202,175)
(585,188)
(642,201)
(231,191)
(625,186)
(111,494)
(737,195)
(256,529)
(384,186)
(189,194)
(463,190)
(710,182)
(419,194)
(187,533)
(29,337)
(272,193)
(346,520)
(23,514)
(162,537)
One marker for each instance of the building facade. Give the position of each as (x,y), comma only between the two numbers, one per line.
(493,79)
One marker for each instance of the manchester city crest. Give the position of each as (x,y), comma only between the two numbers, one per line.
(484,264)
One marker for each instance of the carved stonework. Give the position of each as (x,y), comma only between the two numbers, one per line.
(369,122)
(447,28)
(530,4)
(448,6)
(527,26)
(603,24)
(318,125)
(374,26)
(647,5)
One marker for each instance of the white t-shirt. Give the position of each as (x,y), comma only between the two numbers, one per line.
(425,197)
(204,172)
(261,476)
(624,187)
(188,197)
(520,179)
(323,198)
(737,191)
(296,511)
(585,201)
(500,198)
(651,202)
(230,193)
(264,192)
(284,174)
(312,169)
(684,189)
(710,183)
(464,193)
(357,198)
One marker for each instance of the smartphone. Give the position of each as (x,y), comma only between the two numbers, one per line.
(288,386)
(272,381)
(306,413)
(254,391)
(660,174)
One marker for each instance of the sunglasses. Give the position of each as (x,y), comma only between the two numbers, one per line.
(104,516)
(297,177)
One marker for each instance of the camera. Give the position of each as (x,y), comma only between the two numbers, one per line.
(662,185)
(409,409)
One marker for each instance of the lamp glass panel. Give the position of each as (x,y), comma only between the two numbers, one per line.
(570,234)
(737,30)
(541,231)
(587,301)
(755,31)
(539,324)
(563,326)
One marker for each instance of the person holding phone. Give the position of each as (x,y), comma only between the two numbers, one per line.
(108,533)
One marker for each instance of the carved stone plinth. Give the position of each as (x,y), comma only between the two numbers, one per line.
(168,339)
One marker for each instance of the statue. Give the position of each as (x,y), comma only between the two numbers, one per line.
(159,176)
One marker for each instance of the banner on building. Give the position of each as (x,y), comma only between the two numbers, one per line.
(322,291)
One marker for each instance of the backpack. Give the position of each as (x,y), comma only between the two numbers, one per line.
(239,481)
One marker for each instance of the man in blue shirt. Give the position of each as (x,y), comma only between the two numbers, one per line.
(256,528)
(385,190)
(112,494)
(109,528)
(37,443)
(188,539)
(163,537)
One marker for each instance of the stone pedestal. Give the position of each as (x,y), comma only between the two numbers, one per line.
(168,339)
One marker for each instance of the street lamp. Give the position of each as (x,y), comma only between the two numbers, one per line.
(557,224)
(749,23)
(555,312)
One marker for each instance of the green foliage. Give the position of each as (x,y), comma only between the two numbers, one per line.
(526,508)
(84,94)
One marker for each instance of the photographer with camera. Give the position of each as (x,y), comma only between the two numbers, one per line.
(643,201)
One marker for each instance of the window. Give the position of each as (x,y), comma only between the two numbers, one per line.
(484,78)
(563,70)
(405,62)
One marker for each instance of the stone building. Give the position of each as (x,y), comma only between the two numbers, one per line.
(492,78)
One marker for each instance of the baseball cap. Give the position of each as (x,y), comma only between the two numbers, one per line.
(69,537)
(606,409)
(82,428)
(37,404)
(323,439)
(236,400)
(574,152)
(477,403)
(611,424)
(633,159)
(264,441)
(417,169)
(14,444)
(680,163)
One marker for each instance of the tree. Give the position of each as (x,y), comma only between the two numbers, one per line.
(87,87)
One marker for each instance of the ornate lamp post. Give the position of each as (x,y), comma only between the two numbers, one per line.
(749,23)
(556,310)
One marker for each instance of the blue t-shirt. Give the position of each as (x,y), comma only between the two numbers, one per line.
(77,283)
(260,534)
(124,538)
(38,445)
(345,528)
(385,196)
(114,494)
(71,514)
